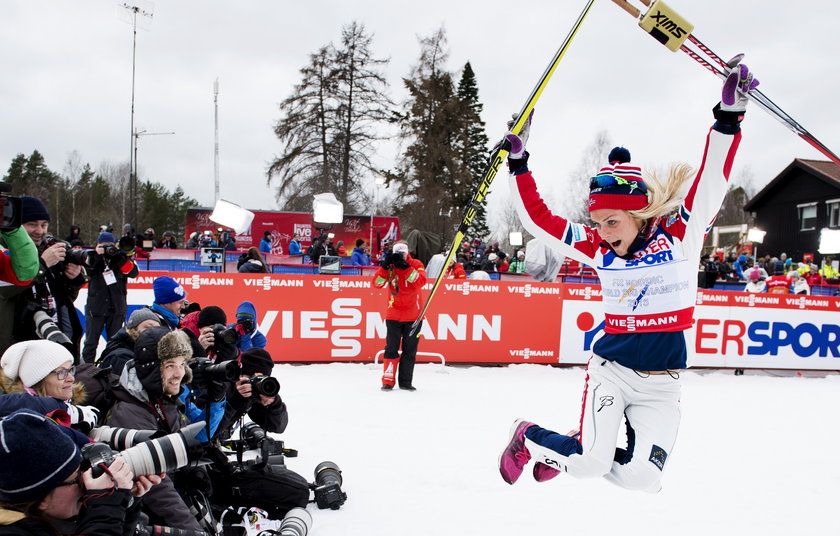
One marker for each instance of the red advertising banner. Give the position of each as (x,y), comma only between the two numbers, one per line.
(283,225)
(312,318)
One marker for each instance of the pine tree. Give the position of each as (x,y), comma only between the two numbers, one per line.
(471,147)
(428,173)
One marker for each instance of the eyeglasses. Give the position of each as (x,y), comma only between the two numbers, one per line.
(62,373)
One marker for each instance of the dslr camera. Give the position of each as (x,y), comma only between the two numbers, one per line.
(148,456)
(10,208)
(205,372)
(71,256)
(225,334)
(264,385)
(327,486)
(246,325)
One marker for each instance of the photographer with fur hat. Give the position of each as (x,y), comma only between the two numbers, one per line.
(39,375)
(147,399)
(109,268)
(48,493)
(247,396)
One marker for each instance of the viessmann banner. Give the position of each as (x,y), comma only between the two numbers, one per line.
(323,318)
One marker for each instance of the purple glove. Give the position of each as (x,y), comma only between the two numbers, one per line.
(517,142)
(738,83)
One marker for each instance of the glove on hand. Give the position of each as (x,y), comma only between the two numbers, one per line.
(87,415)
(401,263)
(516,142)
(388,261)
(739,82)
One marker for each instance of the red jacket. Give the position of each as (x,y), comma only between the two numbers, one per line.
(404,299)
(456,271)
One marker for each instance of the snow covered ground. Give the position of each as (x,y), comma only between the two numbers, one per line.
(756,454)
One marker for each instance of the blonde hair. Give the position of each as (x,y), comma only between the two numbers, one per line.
(665,197)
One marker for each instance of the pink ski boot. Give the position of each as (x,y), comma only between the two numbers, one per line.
(513,459)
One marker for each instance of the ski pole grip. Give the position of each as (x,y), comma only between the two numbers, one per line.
(623,4)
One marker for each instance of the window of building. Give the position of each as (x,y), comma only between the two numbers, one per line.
(833,207)
(807,216)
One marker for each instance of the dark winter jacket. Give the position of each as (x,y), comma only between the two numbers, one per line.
(273,418)
(134,410)
(104,299)
(118,351)
(102,515)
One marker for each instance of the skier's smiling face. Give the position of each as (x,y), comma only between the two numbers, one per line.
(617,227)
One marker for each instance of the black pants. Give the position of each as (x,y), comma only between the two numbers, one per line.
(93,328)
(401,332)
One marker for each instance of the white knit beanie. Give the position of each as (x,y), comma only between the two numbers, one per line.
(32,361)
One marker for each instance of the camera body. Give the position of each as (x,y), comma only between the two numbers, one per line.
(225,334)
(264,385)
(327,486)
(71,256)
(205,372)
(10,208)
(247,324)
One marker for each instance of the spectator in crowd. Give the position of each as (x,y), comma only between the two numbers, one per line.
(464,255)
(360,256)
(798,283)
(789,265)
(226,240)
(39,375)
(455,270)
(727,270)
(265,243)
(168,241)
(56,286)
(829,273)
(206,240)
(120,348)
(128,230)
(44,491)
(478,250)
(711,269)
(294,245)
(192,243)
(740,267)
(74,234)
(268,412)
(340,249)
(488,263)
(404,277)
(517,265)
(751,265)
(779,284)
(247,328)
(252,262)
(502,265)
(755,284)
(813,277)
(170,298)
(147,399)
(109,270)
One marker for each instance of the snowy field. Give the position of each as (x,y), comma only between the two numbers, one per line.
(756,454)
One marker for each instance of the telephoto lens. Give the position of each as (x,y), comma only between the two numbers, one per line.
(327,486)
(164,454)
(264,385)
(121,438)
(297,522)
(46,329)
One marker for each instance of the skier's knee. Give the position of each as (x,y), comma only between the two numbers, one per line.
(637,478)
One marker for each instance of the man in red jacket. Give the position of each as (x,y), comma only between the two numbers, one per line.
(404,276)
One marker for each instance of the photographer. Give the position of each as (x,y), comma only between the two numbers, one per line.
(214,339)
(245,396)
(147,399)
(108,268)
(170,298)
(246,327)
(49,494)
(56,286)
(404,277)
(119,349)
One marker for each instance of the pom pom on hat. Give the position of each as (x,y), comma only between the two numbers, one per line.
(32,361)
(619,155)
(36,454)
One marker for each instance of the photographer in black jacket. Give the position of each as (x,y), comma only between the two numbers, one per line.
(108,268)
(243,397)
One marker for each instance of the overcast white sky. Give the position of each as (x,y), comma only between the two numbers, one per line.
(66,80)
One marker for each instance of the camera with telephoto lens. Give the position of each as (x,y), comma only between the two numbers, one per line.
(10,208)
(296,522)
(264,385)
(327,486)
(47,329)
(122,438)
(152,457)
(205,372)
(71,256)
(225,334)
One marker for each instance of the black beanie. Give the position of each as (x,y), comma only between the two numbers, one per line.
(211,315)
(256,360)
(32,209)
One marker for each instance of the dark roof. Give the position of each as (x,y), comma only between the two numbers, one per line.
(824,170)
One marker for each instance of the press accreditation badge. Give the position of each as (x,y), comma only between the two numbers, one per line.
(109,276)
